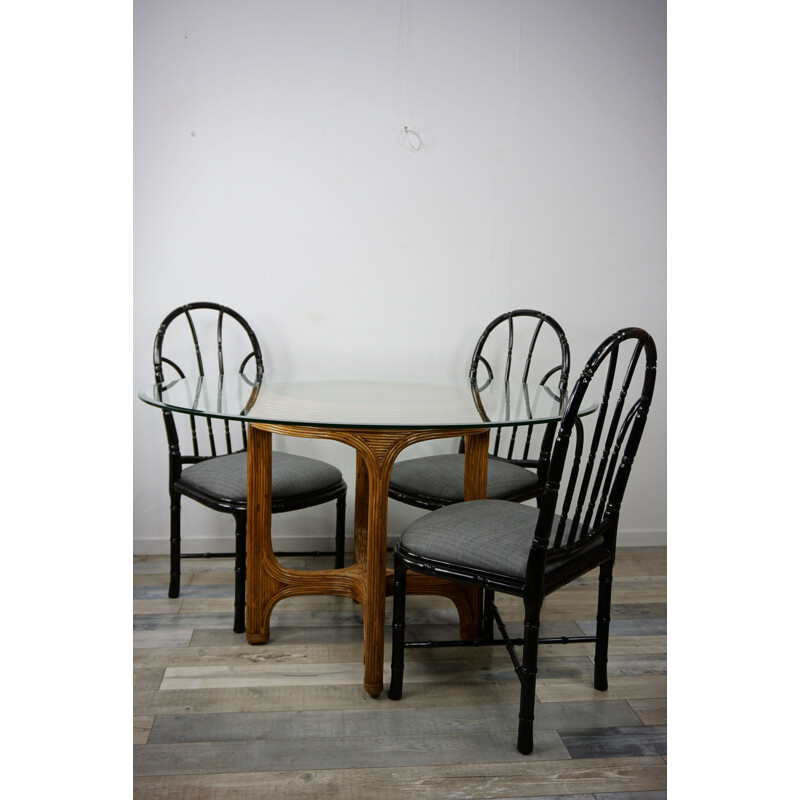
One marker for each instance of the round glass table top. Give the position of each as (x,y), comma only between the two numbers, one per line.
(361,403)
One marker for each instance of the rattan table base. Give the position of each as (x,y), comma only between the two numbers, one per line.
(367,581)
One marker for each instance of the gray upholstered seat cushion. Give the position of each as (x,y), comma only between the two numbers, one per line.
(442,477)
(486,535)
(490,535)
(226,476)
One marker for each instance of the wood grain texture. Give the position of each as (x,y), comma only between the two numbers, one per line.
(562,779)
(366,581)
(216,717)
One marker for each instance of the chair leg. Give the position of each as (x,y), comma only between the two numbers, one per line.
(174,544)
(340,509)
(527,678)
(240,572)
(398,629)
(603,625)
(487,621)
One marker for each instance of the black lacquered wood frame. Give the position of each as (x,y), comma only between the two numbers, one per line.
(512,445)
(206,442)
(568,541)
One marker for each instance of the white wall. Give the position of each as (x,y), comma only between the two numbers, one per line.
(272,173)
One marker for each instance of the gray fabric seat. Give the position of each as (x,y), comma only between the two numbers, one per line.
(226,476)
(457,534)
(442,477)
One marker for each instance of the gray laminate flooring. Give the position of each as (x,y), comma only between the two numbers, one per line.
(215,717)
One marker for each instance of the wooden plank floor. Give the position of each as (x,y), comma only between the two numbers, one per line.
(216,718)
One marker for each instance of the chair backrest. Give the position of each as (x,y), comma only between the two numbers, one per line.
(531,347)
(204,339)
(592,456)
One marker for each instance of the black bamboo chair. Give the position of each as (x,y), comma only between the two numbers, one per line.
(508,343)
(530,551)
(211,467)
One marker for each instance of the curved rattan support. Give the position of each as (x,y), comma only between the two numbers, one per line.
(366,581)
(594,467)
(207,442)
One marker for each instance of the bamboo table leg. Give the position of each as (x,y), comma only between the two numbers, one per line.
(366,580)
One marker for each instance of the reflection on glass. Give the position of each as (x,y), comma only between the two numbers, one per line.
(399,404)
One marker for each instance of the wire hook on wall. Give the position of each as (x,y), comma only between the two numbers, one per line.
(412,137)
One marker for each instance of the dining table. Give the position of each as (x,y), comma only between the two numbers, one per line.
(378,418)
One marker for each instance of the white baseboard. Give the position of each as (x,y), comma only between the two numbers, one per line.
(224,544)
(642,539)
